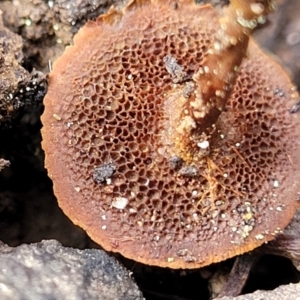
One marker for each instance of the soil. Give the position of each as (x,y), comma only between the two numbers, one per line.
(33,34)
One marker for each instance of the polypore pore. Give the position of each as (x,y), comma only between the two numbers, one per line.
(138,150)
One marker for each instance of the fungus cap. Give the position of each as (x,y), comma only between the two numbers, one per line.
(111,157)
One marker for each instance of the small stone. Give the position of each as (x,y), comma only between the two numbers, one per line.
(203,145)
(47,270)
(175,162)
(188,171)
(103,172)
(174,69)
(276,184)
(120,203)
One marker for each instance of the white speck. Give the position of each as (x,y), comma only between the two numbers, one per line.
(77,189)
(279,208)
(170,259)
(56,117)
(219,202)
(147,182)
(271,208)
(233,41)
(237,144)
(225,175)
(223,216)
(103,227)
(120,202)
(50,4)
(28,88)
(132,210)
(215,228)
(217,46)
(3,288)
(214,213)
(108,181)
(234,229)
(49,65)
(220,94)
(194,193)
(257,8)
(69,124)
(132,194)
(259,236)
(247,23)
(28,22)
(156,238)
(261,19)
(129,76)
(56,26)
(103,217)
(276,184)
(58,41)
(222,136)
(206,69)
(247,228)
(203,145)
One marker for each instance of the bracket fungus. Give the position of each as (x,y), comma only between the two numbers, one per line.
(166,137)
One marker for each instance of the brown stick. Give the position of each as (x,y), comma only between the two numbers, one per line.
(215,80)
(238,275)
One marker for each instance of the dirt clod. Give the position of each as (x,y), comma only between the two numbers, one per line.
(104,172)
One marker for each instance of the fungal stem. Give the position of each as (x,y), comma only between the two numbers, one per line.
(195,103)
(216,78)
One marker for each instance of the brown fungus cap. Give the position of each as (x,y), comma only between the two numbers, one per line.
(113,159)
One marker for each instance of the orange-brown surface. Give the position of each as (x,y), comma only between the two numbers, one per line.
(107,104)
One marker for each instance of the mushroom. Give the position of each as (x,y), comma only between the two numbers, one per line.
(133,158)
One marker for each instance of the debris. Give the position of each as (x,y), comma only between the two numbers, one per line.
(174,69)
(104,172)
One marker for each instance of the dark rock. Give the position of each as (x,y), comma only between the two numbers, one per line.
(103,172)
(47,270)
(291,292)
(18,87)
(48,26)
